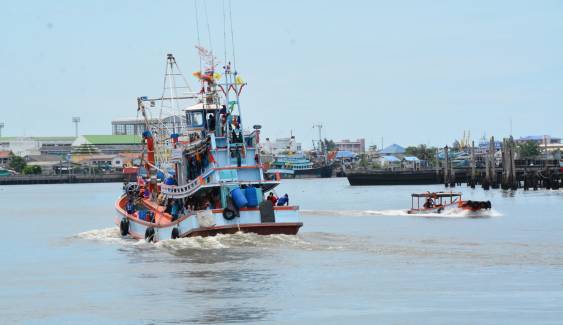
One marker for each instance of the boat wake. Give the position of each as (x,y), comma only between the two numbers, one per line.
(238,240)
(449,213)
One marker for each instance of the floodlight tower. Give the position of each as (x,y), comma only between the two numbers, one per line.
(76,120)
(1,127)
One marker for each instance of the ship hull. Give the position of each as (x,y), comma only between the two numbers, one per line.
(393,178)
(287,222)
(317,172)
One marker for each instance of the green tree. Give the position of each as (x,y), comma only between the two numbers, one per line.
(328,145)
(529,149)
(421,152)
(32,170)
(17,163)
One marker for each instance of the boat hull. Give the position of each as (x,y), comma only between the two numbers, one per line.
(317,172)
(393,178)
(209,223)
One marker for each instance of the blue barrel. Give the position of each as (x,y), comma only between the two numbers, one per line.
(251,197)
(239,198)
(142,215)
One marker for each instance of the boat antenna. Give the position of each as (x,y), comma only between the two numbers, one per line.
(224,30)
(232,36)
(198,37)
(208,26)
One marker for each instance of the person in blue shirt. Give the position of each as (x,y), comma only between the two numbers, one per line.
(175,210)
(284,200)
(130,207)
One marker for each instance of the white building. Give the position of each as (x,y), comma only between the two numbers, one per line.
(281,145)
(33,146)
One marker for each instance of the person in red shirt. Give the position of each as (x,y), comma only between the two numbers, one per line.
(272,198)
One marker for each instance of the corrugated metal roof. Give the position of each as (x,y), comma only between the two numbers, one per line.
(391,158)
(345,154)
(393,149)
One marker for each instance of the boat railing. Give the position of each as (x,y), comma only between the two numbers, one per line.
(176,192)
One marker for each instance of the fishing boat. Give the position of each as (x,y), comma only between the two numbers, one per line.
(201,174)
(438,202)
(298,166)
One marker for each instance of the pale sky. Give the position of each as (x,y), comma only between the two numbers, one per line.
(408,71)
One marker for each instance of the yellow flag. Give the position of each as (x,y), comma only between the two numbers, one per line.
(238,80)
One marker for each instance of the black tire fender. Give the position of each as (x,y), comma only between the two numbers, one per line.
(149,234)
(124,227)
(229,214)
(175,233)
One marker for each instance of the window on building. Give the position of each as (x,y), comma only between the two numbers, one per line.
(120,129)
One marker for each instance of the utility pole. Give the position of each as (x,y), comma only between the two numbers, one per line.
(76,120)
(1,127)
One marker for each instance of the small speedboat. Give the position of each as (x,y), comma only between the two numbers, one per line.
(437,202)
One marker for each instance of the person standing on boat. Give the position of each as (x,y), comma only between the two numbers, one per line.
(211,122)
(272,198)
(130,207)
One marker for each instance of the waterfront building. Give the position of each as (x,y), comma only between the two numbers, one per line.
(552,147)
(281,146)
(33,146)
(540,139)
(109,144)
(137,125)
(4,158)
(389,162)
(358,146)
(411,162)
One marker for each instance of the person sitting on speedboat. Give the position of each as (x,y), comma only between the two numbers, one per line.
(429,204)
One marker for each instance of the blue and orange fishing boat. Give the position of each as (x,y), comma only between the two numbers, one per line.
(201,173)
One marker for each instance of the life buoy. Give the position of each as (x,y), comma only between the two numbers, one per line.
(229,214)
(175,233)
(124,227)
(149,234)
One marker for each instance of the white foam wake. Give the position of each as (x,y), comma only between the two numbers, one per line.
(219,241)
(448,213)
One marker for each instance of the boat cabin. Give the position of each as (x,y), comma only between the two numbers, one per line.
(433,200)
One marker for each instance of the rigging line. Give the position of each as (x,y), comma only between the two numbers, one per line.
(232,35)
(197,29)
(208,27)
(225,31)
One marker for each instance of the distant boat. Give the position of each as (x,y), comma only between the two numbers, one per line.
(440,202)
(299,166)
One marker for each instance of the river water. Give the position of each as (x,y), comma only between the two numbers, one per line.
(359,259)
